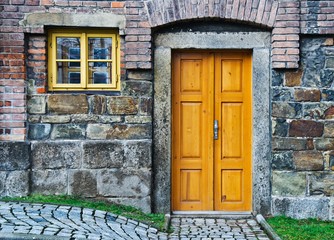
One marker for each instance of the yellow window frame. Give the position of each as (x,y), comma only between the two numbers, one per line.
(83,34)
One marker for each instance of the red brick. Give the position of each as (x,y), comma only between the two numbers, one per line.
(12,110)
(19,103)
(117,4)
(47,2)
(19,131)
(17,2)
(40,90)
(12,137)
(12,124)
(32,2)
(18,117)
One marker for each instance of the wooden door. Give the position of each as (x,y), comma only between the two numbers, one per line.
(209,174)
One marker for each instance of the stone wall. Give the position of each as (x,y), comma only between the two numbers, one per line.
(303,133)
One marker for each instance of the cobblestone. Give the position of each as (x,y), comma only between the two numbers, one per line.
(66,222)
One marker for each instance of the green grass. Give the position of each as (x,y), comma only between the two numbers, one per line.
(127,211)
(305,229)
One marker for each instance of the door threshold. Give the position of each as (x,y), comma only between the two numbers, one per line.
(212,213)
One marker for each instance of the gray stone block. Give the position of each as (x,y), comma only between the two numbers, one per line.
(301,207)
(39,131)
(282,161)
(138,154)
(17,183)
(49,181)
(289,184)
(55,155)
(36,105)
(3,176)
(103,154)
(119,131)
(322,183)
(82,182)
(143,203)
(14,156)
(124,183)
(68,131)
(56,119)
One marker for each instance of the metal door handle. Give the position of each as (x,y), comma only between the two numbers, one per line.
(215,127)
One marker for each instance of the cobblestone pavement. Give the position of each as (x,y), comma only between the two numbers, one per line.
(216,228)
(48,221)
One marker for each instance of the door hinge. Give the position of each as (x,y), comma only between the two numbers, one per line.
(215,128)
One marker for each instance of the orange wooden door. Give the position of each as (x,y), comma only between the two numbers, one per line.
(210,174)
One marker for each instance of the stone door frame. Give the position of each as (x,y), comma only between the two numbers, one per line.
(165,43)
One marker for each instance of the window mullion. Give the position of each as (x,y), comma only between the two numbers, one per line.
(83,60)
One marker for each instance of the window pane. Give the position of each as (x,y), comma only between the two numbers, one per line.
(67,74)
(99,48)
(68,48)
(99,73)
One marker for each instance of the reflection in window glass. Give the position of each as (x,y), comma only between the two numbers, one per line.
(99,75)
(99,48)
(66,74)
(68,48)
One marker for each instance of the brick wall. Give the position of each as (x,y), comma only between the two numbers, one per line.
(287,18)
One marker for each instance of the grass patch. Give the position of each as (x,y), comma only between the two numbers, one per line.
(127,211)
(305,229)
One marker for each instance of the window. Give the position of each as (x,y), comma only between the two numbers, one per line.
(84,60)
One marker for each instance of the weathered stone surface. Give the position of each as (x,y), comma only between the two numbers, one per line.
(138,154)
(103,154)
(289,184)
(140,74)
(84,118)
(109,119)
(328,160)
(138,119)
(56,119)
(145,106)
(286,110)
(317,110)
(324,144)
(3,176)
(68,131)
(31,87)
(306,128)
(282,161)
(329,113)
(330,62)
(67,104)
(329,129)
(322,183)
(290,144)
(39,131)
(326,78)
(301,207)
(82,182)
(122,105)
(308,161)
(36,105)
(302,95)
(49,181)
(281,94)
(280,127)
(124,183)
(34,119)
(327,95)
(293,79)
(328,42)
(143,203)
(118,131)
(55,155)
(97,104)
(14,156)
(17,183)
(277,78)
(137,88)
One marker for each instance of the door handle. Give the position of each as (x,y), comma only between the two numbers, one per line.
(215,127)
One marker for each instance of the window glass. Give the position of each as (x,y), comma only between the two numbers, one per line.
(99,48)
(68,48)
(66,74)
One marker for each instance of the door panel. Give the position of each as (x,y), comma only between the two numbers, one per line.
(210,174)
(191,145)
